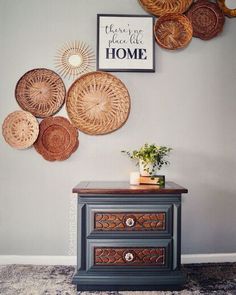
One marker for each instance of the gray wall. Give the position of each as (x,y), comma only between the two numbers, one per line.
(189,103)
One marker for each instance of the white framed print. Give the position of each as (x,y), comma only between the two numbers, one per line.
(125,43)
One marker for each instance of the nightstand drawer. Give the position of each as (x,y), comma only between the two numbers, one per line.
(130,256)
(127,219)
(123,255)
(131,221)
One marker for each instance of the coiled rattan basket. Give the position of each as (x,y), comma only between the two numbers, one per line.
(207,19)
(173,31)
(98,103)
(20,129)
(160,7)
(57,139)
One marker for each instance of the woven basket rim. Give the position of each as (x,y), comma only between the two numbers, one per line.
(103,74)
(59,78)
(177,17)
(94,72)
(161,11)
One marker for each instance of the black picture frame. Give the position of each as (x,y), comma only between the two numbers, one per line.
(132,41)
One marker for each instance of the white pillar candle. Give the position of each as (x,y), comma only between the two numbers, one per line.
(134,178)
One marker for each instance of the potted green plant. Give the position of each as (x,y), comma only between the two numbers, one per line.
(150,158)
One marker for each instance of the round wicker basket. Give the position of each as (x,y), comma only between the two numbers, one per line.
(173,31)
(98,103)
(227,11)
(160,7)
(40,92)
(207,19)
(57,139)
(20,129)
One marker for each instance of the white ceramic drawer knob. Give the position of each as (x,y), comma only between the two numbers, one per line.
(129,257)
(130,222)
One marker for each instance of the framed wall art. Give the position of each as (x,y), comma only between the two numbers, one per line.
(125,43)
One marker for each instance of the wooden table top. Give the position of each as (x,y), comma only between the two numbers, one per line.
(123,187)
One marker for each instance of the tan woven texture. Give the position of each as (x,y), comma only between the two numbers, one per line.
(57,139)
(160,7)
(40,92)
(20,129)
(227,11)
(98,103)
(173,31)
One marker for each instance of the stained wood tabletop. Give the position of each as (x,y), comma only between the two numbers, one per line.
(123,187)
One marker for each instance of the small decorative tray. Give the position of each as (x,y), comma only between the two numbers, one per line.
(98,103)
(207,19)
(40,92)
(227,11)
(20,129)
(57,139)
(173,31)
(160,7)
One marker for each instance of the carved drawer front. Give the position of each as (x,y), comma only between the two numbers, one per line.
(118,256)
(134,254)
(128,221)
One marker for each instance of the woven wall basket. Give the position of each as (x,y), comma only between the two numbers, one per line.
(98,103)
(20,129)
(40,92)
(227,11)
(207,19)
(173,31)
(160,7)
(57,139)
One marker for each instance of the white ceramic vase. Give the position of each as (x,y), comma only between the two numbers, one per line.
(147,169)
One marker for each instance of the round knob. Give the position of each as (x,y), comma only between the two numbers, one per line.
(130,222)
(129,257)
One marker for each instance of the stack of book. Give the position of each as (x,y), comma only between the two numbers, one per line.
(156,179)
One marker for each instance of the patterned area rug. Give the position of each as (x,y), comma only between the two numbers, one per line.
(218,279)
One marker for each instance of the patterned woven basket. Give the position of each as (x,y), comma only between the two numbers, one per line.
(98,103)
(160,7)
(20,129)
(173,31)
(57,139)
(207,19)
(40,92)
(227,11)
